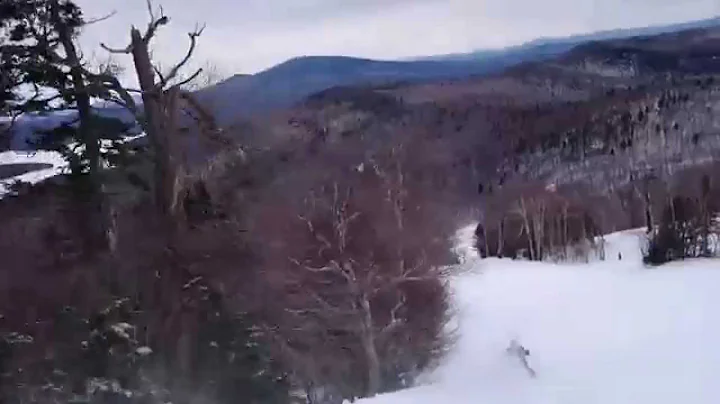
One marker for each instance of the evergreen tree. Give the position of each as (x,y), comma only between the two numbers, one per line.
(233,362)
(43,71)
(95,358)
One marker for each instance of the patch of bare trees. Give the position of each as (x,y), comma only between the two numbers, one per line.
(356,274)
(536,223)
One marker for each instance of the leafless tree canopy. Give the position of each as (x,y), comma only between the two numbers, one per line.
(356,269)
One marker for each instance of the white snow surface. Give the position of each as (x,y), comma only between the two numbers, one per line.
(40,156)
(598,333)
(33,177)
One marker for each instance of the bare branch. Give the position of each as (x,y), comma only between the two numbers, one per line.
(125,50)
(325,242)
(394,321)
(348,272)
(152,28)
(193,43)
(372,274)
(103,18)
(393,283)
(421,262)
(155,22)
(329,307)
(189,79)
(398,306)
(151,13)
(111,83)
(205,115)
(309,224)
(163,82)
(326,269)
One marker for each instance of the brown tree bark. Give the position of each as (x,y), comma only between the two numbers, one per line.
(161,97)
(157,128)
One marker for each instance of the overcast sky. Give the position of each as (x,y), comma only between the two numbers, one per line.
(245,36)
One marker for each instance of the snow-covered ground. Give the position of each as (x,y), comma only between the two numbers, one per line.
(25,157)
(26,129)
(605,332)
(43,157)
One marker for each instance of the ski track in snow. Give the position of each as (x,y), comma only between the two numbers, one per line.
(598,333)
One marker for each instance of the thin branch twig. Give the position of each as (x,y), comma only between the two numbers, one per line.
(125,50)
(103,18)
(189,79)
(193,43)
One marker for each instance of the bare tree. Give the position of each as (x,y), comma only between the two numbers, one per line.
(360,273)
(210,75)
(525,214)
(165,99)
(540,221)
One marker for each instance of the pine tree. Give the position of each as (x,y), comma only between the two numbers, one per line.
(233,360)
(43,71)
(92,358)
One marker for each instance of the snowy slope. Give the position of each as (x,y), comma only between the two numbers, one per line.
(605,332)
(42,156)
(28,127)
(33,177)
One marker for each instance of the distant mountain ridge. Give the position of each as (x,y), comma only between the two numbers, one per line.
(561,44)
(295,79)
(600,117)
(292,81)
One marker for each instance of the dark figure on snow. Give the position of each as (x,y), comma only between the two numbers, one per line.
(522,353)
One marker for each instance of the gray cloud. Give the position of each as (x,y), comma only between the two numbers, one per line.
(250,35)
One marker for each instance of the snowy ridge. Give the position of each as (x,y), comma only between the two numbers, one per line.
(606,332)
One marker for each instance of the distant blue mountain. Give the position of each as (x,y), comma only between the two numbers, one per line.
(555,46)
(294,80)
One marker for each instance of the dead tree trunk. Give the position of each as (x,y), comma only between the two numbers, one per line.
(565,230)
(161,94)
(648,207)
(528,229)
(539,231)
(160,99)
(706,216)
(156,129)
(501,237)
(369,347)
